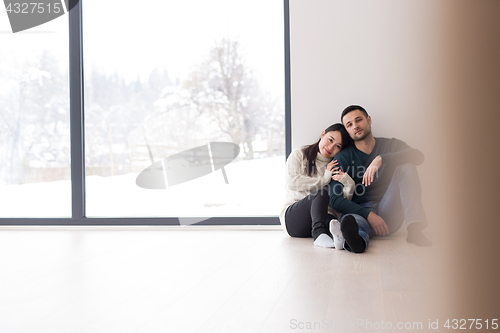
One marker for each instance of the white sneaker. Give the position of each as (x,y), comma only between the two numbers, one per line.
(338,239)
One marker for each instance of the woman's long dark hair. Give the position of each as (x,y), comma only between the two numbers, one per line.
(311,151)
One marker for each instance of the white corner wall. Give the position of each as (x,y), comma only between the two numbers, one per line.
(384,55)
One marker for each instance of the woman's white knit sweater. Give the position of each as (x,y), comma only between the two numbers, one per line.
(299,184)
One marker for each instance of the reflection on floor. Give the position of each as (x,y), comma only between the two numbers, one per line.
(193,279)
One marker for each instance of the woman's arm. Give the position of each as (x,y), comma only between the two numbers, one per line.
(298,180)
(348,182)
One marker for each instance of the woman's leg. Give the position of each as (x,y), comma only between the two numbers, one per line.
(309,216)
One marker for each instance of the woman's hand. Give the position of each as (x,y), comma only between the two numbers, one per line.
(332,165)
(337,174)
(371,171)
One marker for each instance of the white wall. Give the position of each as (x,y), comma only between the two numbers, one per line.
(428,72)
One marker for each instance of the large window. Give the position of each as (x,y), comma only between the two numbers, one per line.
(34,121)
(163,83)
(177,111)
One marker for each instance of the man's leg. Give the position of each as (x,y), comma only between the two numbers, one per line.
(403,200)
(356,231)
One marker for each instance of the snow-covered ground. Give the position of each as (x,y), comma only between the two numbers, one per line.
(256,188)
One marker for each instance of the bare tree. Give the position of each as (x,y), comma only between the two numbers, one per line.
(224,87)
(34,116)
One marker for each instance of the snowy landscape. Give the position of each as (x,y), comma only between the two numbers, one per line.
(256,188)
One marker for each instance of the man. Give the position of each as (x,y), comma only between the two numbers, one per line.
(387,185)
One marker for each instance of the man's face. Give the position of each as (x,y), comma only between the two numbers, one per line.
(357,124)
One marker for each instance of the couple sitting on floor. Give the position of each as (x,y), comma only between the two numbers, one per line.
(372,181)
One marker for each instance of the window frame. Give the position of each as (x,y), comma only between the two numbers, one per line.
(77,138)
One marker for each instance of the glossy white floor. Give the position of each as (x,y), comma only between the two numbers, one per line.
(193,279)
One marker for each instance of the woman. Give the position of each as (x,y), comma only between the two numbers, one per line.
(306,212)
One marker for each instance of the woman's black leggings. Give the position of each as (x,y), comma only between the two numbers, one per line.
(309,216)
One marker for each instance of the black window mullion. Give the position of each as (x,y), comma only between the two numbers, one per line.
(76,113)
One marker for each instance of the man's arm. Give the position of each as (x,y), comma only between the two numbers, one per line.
(341,204)
(345,206)
(400,153)
(336,191)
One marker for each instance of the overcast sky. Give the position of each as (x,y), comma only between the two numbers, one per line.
(177,35)
(131,37)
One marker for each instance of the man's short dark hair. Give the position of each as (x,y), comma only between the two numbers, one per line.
(352,108)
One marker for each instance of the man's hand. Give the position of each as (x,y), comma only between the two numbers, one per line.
(371,171)
(378,224)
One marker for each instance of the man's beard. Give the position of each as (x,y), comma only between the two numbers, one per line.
(365,133)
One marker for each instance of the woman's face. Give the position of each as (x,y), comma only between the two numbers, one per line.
(330,144)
